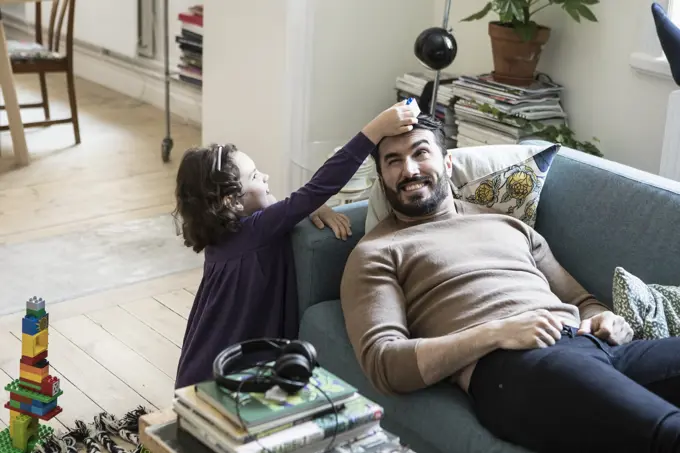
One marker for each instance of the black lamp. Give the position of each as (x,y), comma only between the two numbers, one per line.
(436,48)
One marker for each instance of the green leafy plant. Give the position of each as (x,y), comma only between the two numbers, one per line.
(519,14)
(561,134)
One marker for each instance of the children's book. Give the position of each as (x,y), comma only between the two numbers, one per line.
(256,410)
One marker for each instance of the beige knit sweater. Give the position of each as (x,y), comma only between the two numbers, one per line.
(413,290)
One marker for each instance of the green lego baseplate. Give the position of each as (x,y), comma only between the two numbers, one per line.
(44,431)
(15,387)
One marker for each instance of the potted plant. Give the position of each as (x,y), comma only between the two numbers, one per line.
(517,41)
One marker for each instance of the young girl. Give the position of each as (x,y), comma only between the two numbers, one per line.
(248,289)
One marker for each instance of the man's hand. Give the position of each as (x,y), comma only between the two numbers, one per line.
(608,327)
(339,223)
(529,330)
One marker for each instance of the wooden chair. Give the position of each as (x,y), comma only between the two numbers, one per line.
(37,58)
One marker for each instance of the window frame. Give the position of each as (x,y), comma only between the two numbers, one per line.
(649,58)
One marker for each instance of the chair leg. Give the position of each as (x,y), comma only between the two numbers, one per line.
(43,91)
(74,104)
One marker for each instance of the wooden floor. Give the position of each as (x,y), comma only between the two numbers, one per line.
(119,349)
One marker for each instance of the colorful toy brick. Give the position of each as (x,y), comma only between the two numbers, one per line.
(35,303)
(41,372)
(31,325)
(50,386)
(30,385)
(32,345)
(34,396)
(34,360)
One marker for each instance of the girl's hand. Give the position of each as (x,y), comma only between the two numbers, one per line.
(339,223)
(396,120)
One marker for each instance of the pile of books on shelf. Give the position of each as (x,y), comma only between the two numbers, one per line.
(190,41)
(412,84)
(327,410)
(492,113)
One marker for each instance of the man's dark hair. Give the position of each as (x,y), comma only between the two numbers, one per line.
(201,212)
(425,122)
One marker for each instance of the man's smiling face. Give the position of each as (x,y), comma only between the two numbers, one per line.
(415,172)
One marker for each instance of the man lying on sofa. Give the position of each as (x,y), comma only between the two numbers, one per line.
(442,289)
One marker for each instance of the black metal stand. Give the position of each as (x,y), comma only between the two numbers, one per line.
(166,146)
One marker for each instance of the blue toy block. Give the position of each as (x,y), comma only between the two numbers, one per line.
(30,325)
(26,407)
(37,403)
(40,411)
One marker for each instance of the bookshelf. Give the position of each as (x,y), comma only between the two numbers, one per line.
(190,44)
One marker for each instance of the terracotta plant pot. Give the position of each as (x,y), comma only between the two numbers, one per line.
(514,59)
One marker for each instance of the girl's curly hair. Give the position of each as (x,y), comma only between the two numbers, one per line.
(202,213)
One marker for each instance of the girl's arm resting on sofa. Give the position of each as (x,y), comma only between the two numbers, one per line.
(374,309)
(334,174)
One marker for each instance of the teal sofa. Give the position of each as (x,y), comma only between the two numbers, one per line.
(594,213)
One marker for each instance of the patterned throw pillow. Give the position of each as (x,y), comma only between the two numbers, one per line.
(506,178)
(514,189)
(653,311)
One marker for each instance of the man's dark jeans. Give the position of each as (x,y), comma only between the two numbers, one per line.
(582,395)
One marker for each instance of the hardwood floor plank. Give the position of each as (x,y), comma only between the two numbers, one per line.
(121,361)
(139,337)
(180,301)
(93,379)
(159,317)
(110,298)
(192,289)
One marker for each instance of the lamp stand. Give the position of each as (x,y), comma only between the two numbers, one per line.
(437,76)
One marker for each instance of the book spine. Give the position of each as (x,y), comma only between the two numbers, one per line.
(325,429)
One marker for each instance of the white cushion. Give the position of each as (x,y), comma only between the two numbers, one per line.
(471,167)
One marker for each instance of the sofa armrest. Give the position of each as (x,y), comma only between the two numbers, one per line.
(320,257)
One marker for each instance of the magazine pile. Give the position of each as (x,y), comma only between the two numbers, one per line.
(328,410)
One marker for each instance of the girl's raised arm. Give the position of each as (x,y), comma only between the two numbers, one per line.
(281,217)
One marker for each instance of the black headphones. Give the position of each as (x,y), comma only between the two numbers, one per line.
(294,362)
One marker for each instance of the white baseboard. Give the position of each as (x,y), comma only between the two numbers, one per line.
(142,80)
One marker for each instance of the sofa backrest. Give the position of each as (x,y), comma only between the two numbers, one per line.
(597,214)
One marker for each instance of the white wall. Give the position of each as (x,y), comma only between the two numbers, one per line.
(280,77)
(604,96)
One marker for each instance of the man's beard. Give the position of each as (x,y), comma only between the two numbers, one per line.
(417,205)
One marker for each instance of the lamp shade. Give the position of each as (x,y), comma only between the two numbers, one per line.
(435,48)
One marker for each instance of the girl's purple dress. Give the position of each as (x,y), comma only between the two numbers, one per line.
(248,288)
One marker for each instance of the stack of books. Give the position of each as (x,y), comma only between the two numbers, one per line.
(492,113)
(190,41)
(326,410)
(412,85)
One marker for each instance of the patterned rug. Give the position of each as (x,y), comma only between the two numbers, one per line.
(80,263)
(104,434)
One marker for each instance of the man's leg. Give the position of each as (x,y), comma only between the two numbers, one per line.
(654,364)
(570,398)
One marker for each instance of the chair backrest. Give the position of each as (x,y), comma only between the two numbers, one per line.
(62,13)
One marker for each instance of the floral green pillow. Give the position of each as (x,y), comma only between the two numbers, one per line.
(512,188)
(653,311)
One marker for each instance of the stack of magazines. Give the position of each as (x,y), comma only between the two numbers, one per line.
(328,410)
(492,113)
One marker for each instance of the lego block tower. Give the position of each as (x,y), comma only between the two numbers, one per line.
(32,397)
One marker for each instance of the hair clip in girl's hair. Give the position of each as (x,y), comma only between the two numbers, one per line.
(217,168)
